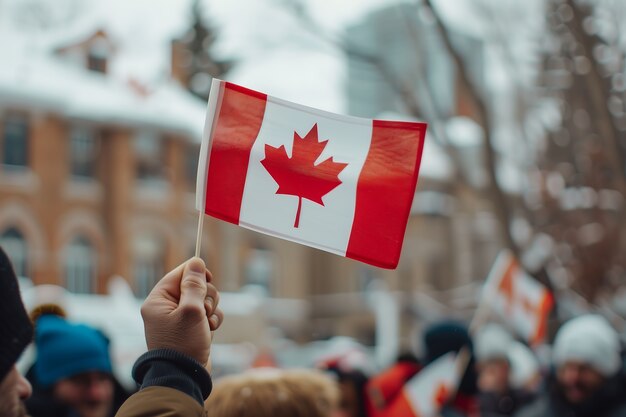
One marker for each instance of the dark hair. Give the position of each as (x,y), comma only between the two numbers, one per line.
(355,378)
(16,330)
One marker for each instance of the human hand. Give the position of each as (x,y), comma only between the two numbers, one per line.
(181,312)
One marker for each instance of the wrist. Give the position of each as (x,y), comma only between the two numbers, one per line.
(171,368)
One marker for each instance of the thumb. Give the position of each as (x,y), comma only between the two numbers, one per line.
(193,286)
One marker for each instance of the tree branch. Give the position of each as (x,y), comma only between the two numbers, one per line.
(599,95)
(500,204)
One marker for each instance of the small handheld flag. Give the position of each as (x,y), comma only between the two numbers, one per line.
(337,183)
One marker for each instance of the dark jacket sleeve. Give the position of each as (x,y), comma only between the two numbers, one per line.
(171,384)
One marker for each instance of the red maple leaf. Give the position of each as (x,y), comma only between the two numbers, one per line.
(299,175)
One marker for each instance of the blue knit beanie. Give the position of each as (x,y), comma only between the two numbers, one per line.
(65,350)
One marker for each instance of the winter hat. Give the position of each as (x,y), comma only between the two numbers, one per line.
(492,342)
(452,336)
(65,349)
(444,337)
(589,339)
(16,330)
(524,365)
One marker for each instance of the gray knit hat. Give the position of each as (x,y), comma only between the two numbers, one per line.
(590,339)
(16,330)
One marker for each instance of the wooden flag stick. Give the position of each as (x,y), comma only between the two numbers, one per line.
(199,236)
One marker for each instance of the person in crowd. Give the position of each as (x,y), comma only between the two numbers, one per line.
(352,385)
(179,315)
(526,371)
(72,375)
(16,332)
(497,397)
(588,379)
(452,336)
(270,392)
(440,338)
(382,390)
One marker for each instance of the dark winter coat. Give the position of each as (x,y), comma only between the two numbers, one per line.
(609,401)
(503,405)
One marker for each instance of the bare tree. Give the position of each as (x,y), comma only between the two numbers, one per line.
(579,168)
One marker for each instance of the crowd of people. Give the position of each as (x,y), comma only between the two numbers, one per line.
(72,375)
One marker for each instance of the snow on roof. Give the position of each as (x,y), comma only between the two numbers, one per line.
(37,77)
(43,80)
(74,92)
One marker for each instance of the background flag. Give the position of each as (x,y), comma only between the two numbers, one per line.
(337,183)
(519,299)
(428,391)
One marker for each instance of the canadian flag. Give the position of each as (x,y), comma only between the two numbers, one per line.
(337,183)
(518,298)
(428,391)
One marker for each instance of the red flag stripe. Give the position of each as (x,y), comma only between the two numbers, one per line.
(386,185)
(543,311)
(237,126)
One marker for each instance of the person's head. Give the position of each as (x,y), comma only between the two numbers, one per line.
(73,362)
(491,348)
(352,385)
(444,337)
(274,393)
(451,336)
(586,353)
(16,332)
(525,372)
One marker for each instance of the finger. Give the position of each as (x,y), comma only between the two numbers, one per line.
(216,319)
(209,276)
(193,287)
(212,299)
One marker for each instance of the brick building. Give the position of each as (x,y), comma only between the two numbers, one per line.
(96,175)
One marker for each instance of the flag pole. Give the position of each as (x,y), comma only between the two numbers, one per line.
(199,236)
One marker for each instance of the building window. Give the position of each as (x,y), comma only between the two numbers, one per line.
(14,244)
(15,149)
(97,56)
(260,269)
(149,157)
(148,265)
(80,262)
(83,152)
